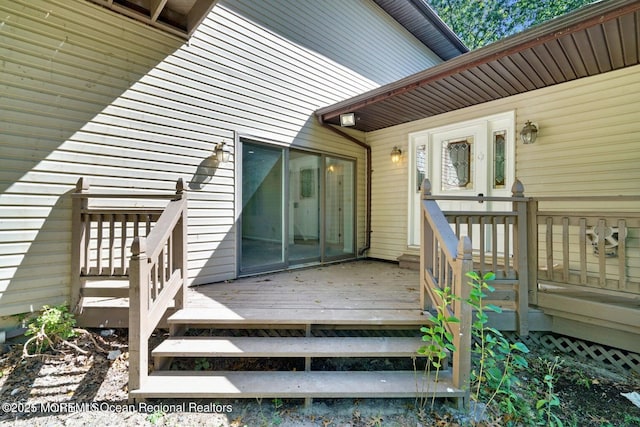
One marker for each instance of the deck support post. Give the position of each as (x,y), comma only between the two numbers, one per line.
(427,243)
(138,307)
(522,258)
(180,257)
(461,358)
(532,249)
(78,237)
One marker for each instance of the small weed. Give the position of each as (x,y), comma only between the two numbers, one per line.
(631,420)
(438,338)
(277,403)
(580,379)
(52,326)
(202,364)
(155,417)
(551,400)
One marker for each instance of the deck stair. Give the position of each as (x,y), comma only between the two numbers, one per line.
(308,336)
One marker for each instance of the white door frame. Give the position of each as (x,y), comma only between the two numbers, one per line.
(483,130)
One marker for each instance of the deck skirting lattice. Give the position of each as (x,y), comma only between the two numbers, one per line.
(621,359)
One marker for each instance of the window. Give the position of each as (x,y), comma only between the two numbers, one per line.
(456,163)
(499,174)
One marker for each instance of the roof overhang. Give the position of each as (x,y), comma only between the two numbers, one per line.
(179,17)
(595,39)
(417,17)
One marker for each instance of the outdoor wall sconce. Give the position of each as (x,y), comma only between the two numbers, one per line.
(221,152)
(396,154)
(529,133)
(348,119)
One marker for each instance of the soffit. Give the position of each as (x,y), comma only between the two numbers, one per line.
(595,39)
(179,17)
(423,22)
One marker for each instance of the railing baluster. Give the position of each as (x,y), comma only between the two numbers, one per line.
(508,226)
(122,258)
(99,244)
(481,226)
(565,249)
(549,244)
(582,235)
(112,244)
(87,244)
(622,254)
(602,256)
(494,243)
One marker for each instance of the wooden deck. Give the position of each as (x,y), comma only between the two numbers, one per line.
(379,292)
(362,285)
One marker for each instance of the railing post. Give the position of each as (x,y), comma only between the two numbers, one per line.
(461,363)
(138,308)
(532,244)
(78,236)
(180,252)
(426,244)
(522,258)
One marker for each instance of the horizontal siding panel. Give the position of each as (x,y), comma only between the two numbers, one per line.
(93,94)
(309,25)
(61,18)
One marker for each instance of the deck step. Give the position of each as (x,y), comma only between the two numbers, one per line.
(292,384)
(288,347)
(302,316)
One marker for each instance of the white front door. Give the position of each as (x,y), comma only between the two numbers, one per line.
(465,159)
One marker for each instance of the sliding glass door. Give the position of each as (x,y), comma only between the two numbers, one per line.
(263,183)
(304,207)
(339,208)
(298,208)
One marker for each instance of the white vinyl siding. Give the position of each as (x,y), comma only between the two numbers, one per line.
(89,93)
(588,144)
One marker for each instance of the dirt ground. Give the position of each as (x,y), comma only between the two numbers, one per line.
(74,389)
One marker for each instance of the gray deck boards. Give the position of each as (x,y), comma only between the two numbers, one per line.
(290,384)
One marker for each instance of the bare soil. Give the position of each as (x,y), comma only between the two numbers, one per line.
(51,390)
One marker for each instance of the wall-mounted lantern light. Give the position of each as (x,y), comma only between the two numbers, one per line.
(529,133)
(222,152)
(348,119)
(396,154)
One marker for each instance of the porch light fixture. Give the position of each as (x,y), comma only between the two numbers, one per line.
(222,152)
(396,154)
(529,133)
(348,119)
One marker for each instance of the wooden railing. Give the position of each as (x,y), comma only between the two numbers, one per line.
(102,237)
(593,250)
(156,271)
(497,238)
(444,264)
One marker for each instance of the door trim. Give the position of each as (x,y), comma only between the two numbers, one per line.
(493,123)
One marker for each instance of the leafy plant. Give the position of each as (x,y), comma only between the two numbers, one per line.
(155,417)
(496,360)
(53,325)
(202,364)
(551,400)
(438,338)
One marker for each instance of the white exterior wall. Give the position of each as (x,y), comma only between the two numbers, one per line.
(88,93)
(588,144)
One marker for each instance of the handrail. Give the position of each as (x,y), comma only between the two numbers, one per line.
(157,269)
(445,262)
(158,273)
